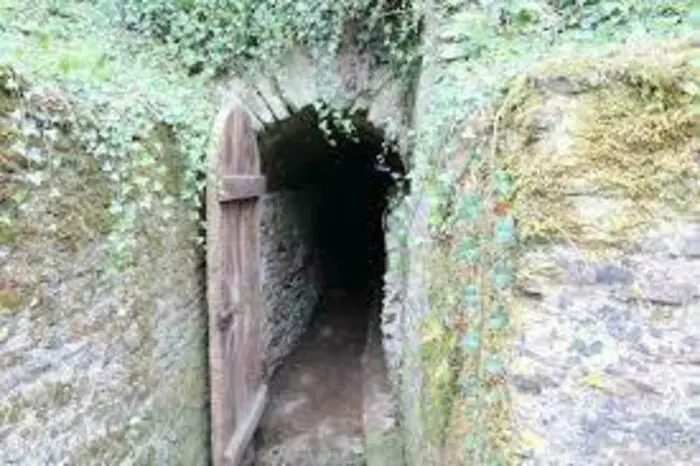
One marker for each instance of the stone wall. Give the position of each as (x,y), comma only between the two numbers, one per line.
(97,367)
(291,279)
(94,372)
(281,103)
(603,373)
(606,361)
(406,303)
(404,307)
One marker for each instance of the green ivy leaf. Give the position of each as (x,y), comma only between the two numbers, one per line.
(694,17)
(67,64)
(471,342)
(493,365)
(504,183)
(469,249)
(505,231)
(101,72)
(471,207)
(499,320)
(476,159)
(470,387)
(44,40)
(476,440)
(496,458)
(502,276)
(524,17)
(471,295)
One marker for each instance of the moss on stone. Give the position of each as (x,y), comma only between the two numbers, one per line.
(118,445)
(10,298)
(10,86)
(580,135)
(604,149)
(10,163)
(62,394)
(622,134)
(9,234)
(12,410)
(70,208)
(438,359)
(58,235)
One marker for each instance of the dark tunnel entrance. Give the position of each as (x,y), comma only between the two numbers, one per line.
(348,226)
(343,187)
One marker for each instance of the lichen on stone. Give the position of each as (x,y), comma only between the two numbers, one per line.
(604,148)
(59,301)
(618,134)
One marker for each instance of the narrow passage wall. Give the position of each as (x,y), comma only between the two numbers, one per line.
(290,270)
(95,367)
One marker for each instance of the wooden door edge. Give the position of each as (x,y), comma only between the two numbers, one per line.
(244,432)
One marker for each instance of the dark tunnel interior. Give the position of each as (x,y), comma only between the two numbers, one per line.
(345,185)
(348,221)
(351,179)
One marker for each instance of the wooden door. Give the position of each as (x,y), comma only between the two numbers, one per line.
(238,388)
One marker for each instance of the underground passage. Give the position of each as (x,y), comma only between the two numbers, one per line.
(323,249)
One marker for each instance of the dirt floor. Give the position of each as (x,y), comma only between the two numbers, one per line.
(315,414)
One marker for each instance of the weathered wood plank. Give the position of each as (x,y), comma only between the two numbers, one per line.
(239,187)
(233,292)
(245,429)
(220,317)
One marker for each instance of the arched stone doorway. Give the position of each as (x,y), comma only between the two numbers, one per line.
(322,257)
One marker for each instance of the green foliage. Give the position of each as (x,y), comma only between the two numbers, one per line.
(218,36)
(129,68)
(137,94)
(594,14)
(634,140)
(480,60)
(123,105)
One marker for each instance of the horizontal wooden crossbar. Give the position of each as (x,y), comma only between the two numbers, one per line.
(239,187)
(246,428)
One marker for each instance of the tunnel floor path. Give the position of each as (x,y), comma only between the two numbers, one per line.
(315,414)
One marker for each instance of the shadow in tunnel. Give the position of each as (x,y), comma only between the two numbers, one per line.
(348,221)
(316,411)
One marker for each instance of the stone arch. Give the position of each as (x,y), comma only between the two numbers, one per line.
(278,100)
(283,105)
(350,82)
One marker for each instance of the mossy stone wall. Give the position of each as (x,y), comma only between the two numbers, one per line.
(603,148)
(98,365)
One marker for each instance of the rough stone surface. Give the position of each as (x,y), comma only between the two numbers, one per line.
(405,306)
(606,363)
(383,446)
(599,378)
(347,81)
(406,303)
(100,370)
(290,270)
(99,364)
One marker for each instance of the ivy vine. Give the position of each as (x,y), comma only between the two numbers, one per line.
(480,57)
(133,68)
(220,36)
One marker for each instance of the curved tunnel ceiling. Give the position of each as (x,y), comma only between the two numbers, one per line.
(295,153)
